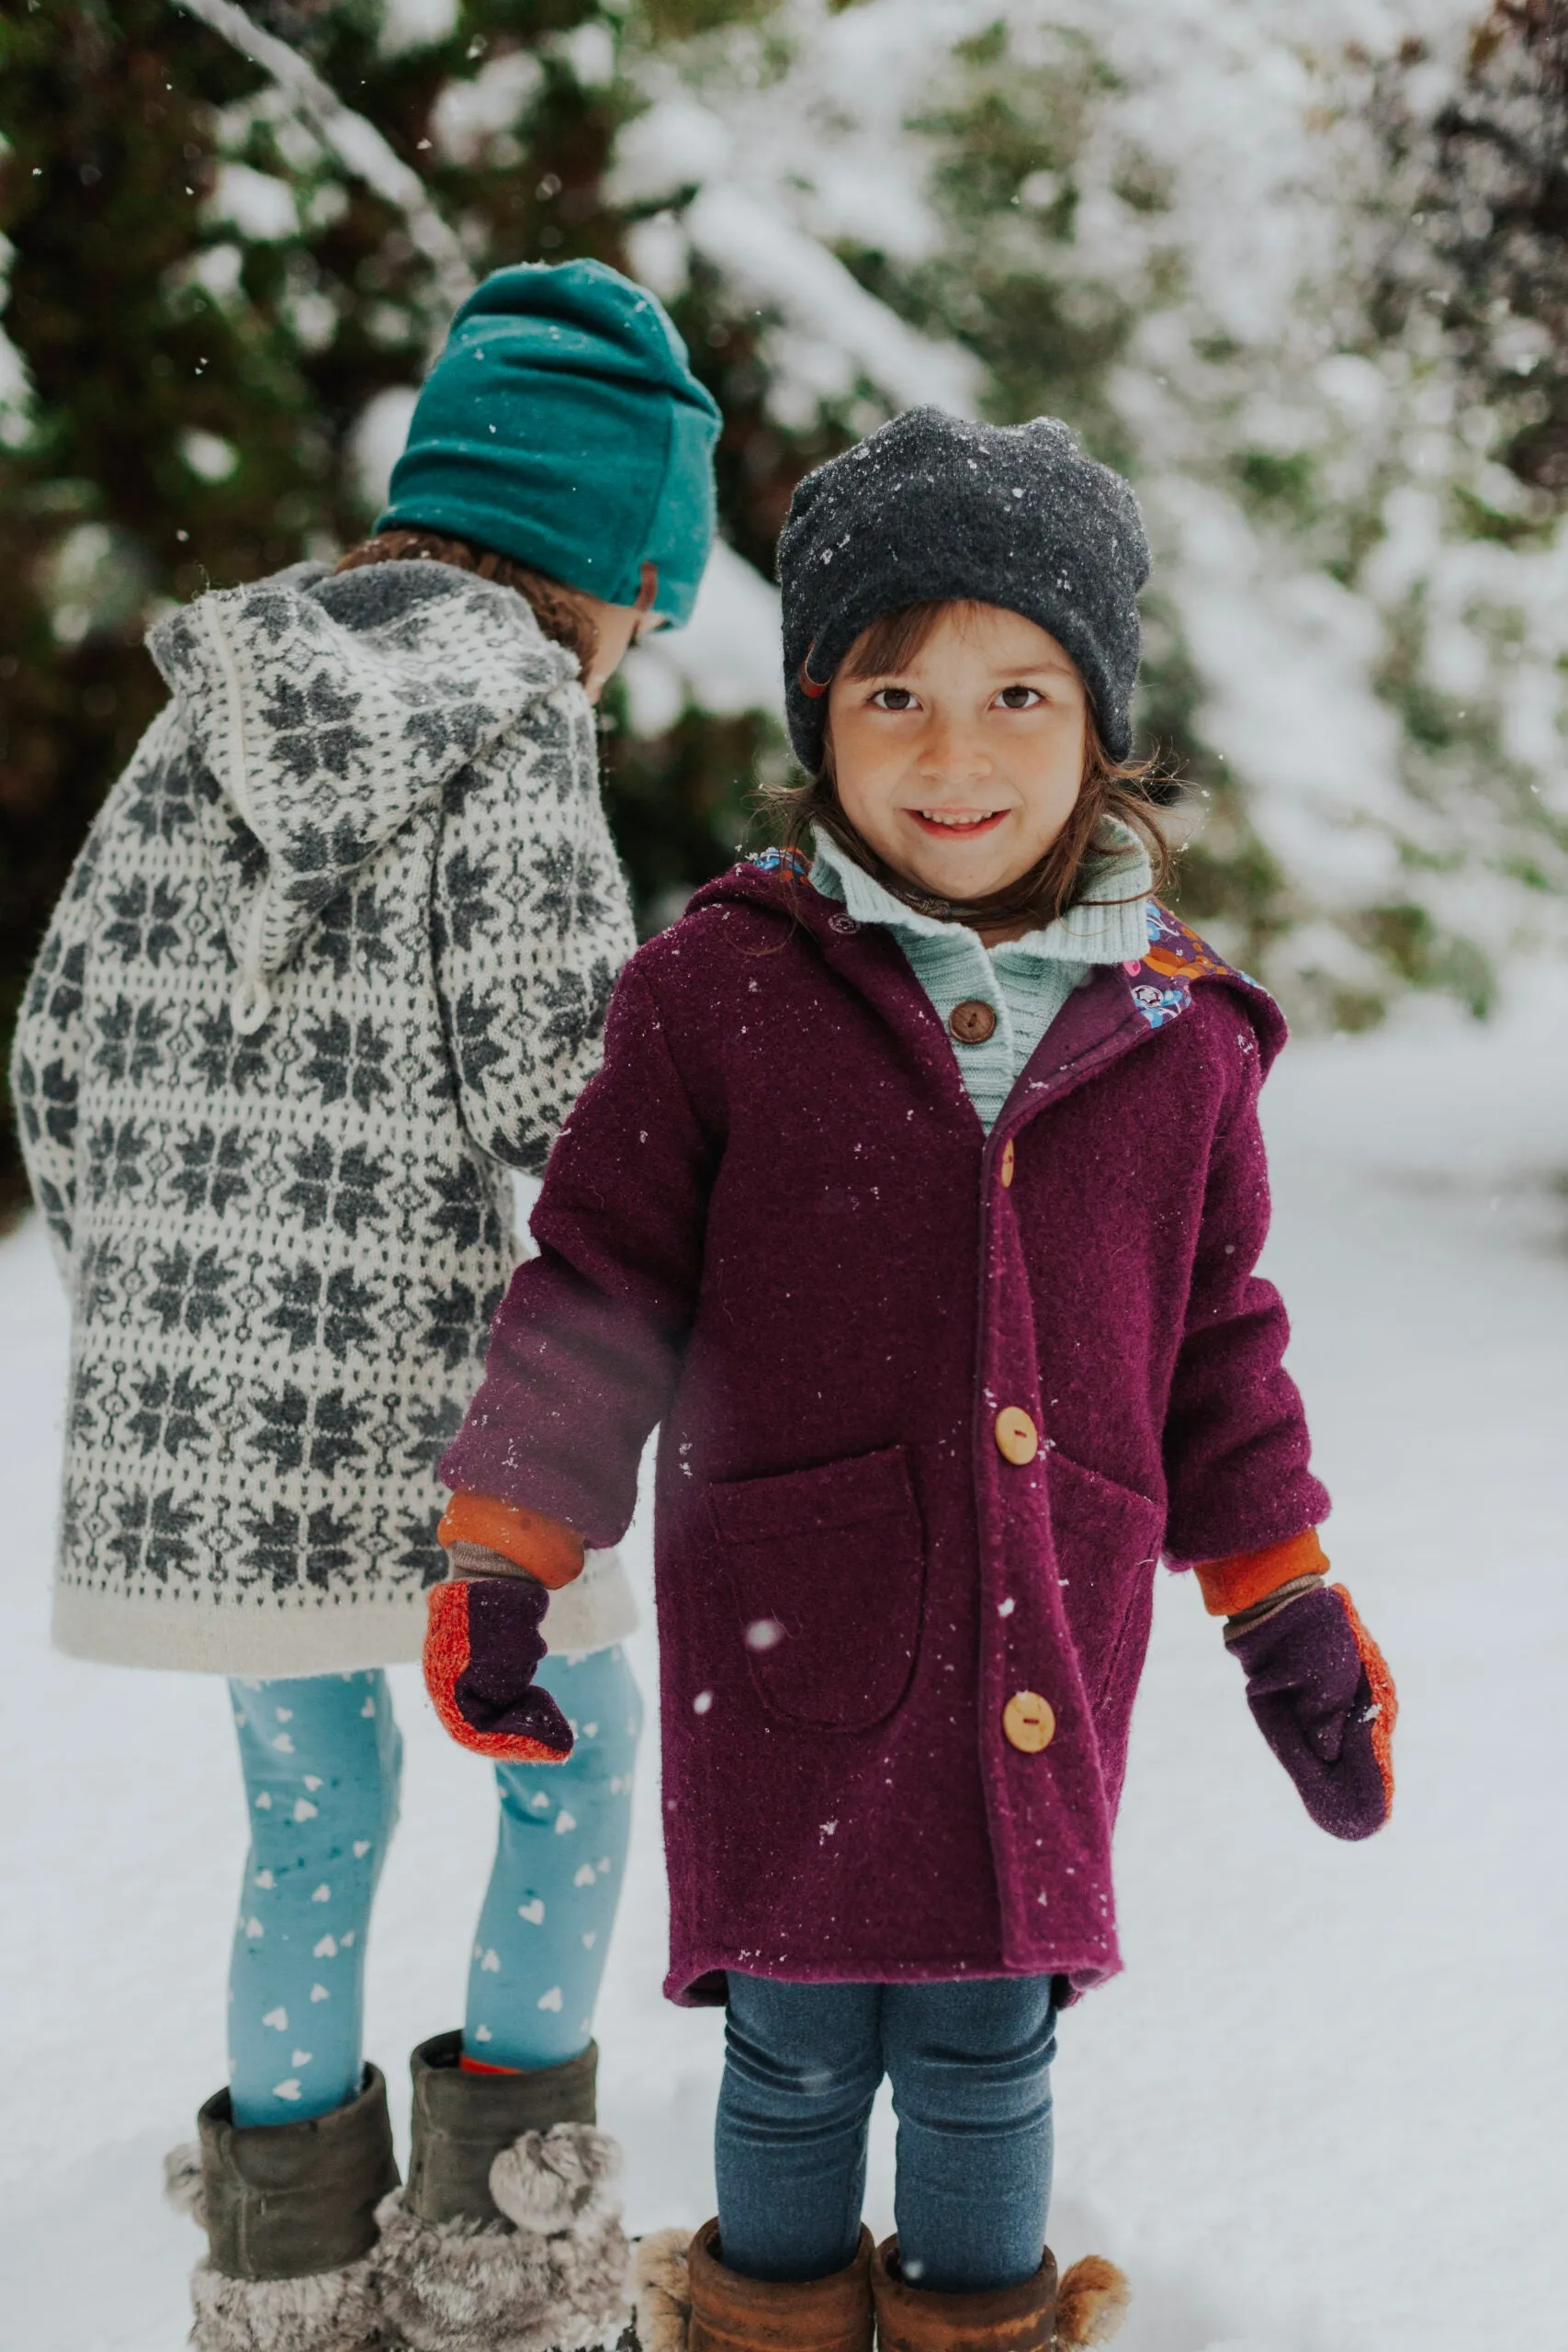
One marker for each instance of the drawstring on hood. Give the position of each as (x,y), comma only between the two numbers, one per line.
(327,708)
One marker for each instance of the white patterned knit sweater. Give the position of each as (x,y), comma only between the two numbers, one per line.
(333,961)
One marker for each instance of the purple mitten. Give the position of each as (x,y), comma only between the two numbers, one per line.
(482,1650)
(1324,1701)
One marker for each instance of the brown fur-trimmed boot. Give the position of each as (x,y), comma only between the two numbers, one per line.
(721,2311)
(289,2211)
(1039,2315)
(507,2237)
(1091,2302)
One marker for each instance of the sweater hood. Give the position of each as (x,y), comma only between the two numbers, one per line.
(327,710)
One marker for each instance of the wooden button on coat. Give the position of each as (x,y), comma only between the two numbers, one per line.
(1017,1436)
(1009,1160)
(973,1020)
(1029,1721)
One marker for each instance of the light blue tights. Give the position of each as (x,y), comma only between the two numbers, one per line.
(321,1756)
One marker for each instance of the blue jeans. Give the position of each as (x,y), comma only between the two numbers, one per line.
(322,1758)
(969,2063)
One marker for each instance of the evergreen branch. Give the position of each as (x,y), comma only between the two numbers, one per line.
(755,243)
(355,142)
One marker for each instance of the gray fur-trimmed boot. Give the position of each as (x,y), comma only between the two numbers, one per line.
(506,2238)
(289,2211)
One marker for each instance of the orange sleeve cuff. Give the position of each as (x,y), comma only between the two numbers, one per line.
(1248,1577)
(548,1551)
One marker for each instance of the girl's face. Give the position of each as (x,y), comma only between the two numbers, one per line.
(961,770)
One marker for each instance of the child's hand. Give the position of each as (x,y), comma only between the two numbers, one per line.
(481,1648)
(1325,1702)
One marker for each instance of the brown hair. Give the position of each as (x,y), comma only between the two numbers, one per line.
(560,615)
(1112,790)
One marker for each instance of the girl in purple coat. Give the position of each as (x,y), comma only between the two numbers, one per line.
(919,1200)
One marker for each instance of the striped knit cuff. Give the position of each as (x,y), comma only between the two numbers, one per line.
(545,1550)
(1247,1620)
(1231,1585)
(464,1561)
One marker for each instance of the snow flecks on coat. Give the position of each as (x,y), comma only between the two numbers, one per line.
(334,959)
(934,1424)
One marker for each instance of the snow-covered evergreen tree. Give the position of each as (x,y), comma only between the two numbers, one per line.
(1172,223)
(1305,284)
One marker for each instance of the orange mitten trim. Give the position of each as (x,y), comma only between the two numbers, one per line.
(1386,1698)
(446,1654)
(549,1551)
(1246,1577)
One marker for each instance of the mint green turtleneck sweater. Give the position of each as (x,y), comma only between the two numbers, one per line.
(1025,982)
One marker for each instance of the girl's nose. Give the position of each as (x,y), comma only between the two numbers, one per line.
(950,755)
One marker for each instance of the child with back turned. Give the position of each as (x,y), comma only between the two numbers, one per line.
(918,1198)
(332,962)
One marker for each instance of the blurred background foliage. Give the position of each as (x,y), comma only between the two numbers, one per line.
(1336,366)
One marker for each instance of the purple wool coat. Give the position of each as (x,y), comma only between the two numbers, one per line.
(774,1224)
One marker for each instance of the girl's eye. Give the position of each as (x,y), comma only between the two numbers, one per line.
(1019,697)
(892,698)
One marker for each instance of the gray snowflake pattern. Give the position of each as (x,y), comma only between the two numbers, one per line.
(163,803)
(172,1412)
(312,731)
(226,1063)
(316,1431)
(153,1535)
(213,1171)
(422,1555)
(470,897)
(287,1547)
(473,1038)
(146,924)
(319,1309)
(435,1427)
(347,1062)
(352,932)
(189,1292)
(115,1152)
(81,1411)
(48,1102)
(468,1212)
(56,987)
(321,862)
(345,1186)
(454,1314)
(578,1003)
(526,1145)
(569,896)
(453,725)
(130,1039)
(238,850)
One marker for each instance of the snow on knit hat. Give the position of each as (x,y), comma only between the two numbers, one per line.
(562,425)
(932,507)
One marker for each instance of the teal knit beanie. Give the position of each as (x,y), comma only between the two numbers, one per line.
(562,425)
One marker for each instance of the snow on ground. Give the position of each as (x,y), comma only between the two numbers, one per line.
(1321,2108)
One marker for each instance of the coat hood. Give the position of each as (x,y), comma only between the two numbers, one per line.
(329,707)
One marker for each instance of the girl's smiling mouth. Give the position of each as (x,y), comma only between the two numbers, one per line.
(964,823)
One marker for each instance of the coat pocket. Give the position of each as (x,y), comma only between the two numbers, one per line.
(1107,1542)
(828,1570)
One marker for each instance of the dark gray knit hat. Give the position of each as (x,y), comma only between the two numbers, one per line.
(932,507)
